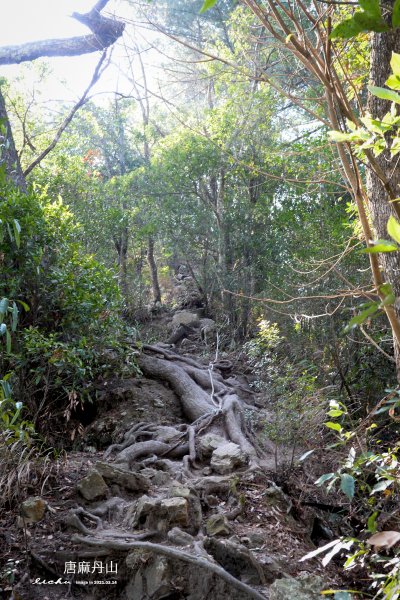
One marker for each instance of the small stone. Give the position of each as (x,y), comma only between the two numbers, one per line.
(179,537)
(208,443)
(218,525)
(185,317)
(33,509)
(179,491)
(92,486)
(227,457)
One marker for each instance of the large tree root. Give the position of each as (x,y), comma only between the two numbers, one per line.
(199,561)
(204,397)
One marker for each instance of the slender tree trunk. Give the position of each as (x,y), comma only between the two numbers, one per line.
(153,271)
(8,154)
(122,262)
(382,46)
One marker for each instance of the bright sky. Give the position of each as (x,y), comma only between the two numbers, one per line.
(31,20)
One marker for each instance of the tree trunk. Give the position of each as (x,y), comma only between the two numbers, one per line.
(382,46)
(8,155)
(153,271)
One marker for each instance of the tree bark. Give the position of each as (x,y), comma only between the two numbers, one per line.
(9,158)
(382,47)
(104,33)
(153,270)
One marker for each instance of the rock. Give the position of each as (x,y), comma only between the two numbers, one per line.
(33,509)
(179,537)
(134,482)
(256,539)
(158,578)
(156,514)
(178,490)
(303,587)
(207,328)
(184,317)
(208,443)
(175,511)
(194,505)
(218,525)
(157,478)
(227,457)
(92,486)
(238,561)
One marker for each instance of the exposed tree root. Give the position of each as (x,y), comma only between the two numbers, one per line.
(203,394)
(199,561)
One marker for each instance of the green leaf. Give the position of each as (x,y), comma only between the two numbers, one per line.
(381,246)
(381,485)
(3,307)
(24,305)
(396,17)
(371,523)
(324,477)
(362,316)
(347,485)
(393,228)
(335,412)
(339,136)
(14,313)
(395,147)
(334,426)
(8,341)
(17,231)
(384,94)
(369,22)
(346,29)
(3,328)
(393,81)
(207,5)
(371,7)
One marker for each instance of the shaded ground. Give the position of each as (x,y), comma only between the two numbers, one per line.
(239,522)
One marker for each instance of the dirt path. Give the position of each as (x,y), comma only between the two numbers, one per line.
(173,497)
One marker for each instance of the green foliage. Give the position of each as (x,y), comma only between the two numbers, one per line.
(69,303)
(291,388)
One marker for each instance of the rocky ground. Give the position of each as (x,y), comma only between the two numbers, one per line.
(163,502)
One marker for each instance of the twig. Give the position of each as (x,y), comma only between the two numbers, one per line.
(96,76)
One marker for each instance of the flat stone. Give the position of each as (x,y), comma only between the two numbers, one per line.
(157,477)
(227,457)
(178,490)
(175,511)
(92,486)
(179,537)
(303,587)
(134,482)
(208,443)
(218,525)
(184,317)
(33,509)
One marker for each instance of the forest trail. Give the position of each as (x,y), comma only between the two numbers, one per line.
(174,494)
